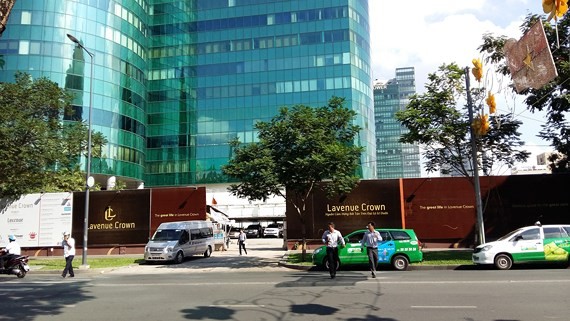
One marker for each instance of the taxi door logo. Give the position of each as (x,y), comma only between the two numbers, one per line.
(109,216)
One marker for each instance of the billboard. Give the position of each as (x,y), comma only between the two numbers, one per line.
(36,220)
(177,204)
(371,200)
(440,208)
(115,217)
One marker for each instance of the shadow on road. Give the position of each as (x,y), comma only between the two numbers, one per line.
(24,302)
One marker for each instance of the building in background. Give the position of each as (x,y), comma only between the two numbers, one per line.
(174,81)
(393,158)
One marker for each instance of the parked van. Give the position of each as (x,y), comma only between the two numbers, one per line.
(538,243)
(173,241)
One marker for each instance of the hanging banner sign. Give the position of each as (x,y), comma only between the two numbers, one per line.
(36,220)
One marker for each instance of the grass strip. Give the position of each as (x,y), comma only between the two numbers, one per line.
(94,263)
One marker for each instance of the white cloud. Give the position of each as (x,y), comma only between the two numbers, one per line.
(427,33)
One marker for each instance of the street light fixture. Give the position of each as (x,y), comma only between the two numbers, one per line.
(88,179)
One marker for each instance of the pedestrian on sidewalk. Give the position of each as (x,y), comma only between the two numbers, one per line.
(68,253)
(332,238)
(241,241)
(370,240)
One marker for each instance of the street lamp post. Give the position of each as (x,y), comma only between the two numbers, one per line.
(88,183)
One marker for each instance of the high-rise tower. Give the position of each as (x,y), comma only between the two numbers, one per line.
(394,159)
(174,81)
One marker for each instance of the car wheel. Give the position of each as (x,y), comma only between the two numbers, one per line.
(326,264)
(503,262)
(179,258)
(208,252)
(400,263)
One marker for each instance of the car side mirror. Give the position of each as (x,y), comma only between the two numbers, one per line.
(518,238)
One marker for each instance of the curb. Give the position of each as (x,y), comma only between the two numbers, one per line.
(283,263)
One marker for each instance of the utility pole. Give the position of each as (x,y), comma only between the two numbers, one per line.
(475,165)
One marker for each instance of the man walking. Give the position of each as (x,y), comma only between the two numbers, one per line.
(69,253)
(241,241)
(370,241)
(332,238)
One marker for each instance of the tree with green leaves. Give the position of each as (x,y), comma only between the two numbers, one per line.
(39,152)
(298,149)
(437,122)
(554,97)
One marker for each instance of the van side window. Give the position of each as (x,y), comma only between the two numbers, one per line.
(565,231)
(532,234)
(206,232)
(552,232)
(185,237)
(400,235)
(195,234)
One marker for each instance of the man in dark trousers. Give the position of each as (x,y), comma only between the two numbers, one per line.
(241,241)
(332,239)
(370,241)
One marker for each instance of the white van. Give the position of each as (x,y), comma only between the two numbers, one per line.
(538,243)
(173,241)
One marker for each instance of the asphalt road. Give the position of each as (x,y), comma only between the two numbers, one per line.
(264,291)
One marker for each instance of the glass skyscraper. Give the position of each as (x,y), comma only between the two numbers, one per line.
(394,159)
(174,81)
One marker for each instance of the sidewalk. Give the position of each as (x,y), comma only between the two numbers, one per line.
(263,255)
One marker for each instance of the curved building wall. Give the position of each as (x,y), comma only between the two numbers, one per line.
(249,58)
(175,80)
(115,32)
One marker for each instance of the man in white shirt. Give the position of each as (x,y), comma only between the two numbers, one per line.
(68,253)
(370,240)
(241,241)
(332,238)
(11,249)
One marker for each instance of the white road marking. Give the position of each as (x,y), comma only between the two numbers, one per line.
(305,282)
(236,306)
(443,307)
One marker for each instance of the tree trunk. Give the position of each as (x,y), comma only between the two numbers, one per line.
(303,241)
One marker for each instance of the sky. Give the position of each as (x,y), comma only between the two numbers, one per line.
(427,33)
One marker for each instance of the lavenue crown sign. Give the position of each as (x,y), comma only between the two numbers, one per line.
(356,209)
(112,224)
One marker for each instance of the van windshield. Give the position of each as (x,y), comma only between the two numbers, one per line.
(166,235)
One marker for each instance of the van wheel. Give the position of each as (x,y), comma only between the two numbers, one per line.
(179,258)
(208,252)
(503,262)
(400,263)
(326,264)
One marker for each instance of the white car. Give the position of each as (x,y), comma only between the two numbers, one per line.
(538,243)
(272,230)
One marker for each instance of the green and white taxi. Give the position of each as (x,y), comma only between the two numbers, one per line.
(538,243)
(398,248)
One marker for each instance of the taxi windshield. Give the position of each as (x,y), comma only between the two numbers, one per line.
(509,235)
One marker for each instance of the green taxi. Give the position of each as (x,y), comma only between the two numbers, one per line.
(399,248)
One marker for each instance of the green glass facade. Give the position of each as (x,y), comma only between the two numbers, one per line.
(395,159)
(174,81)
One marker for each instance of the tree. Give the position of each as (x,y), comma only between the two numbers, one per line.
(436,123)
(554,97)
(38,151)
(297,149)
